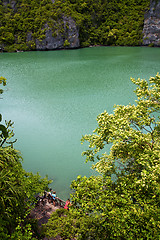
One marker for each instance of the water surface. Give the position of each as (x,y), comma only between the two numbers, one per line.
(54,98)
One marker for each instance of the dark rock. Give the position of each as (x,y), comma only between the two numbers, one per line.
(29,37)
(11,2)
(70,34)
(151,28)
(66,35)
(49,42)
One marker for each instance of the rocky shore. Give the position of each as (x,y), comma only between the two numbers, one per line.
(42,212)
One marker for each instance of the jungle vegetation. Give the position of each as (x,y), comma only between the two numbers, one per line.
(123,200)
(17,187)
(100,22)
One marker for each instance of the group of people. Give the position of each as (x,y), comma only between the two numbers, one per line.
(52,198)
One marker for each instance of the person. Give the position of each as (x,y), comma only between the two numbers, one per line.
(53,194)
(50,191)
(49,195)
(67,204)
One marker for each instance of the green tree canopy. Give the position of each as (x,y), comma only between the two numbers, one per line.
(123,201)
(100,22)
(17,187)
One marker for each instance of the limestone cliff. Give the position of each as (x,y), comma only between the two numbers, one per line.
(151,28)
(56,24)
(68,38)
(35,32)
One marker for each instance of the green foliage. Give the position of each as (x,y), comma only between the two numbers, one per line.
(100,22)
(111,22)
(3,82)
(66,43)
(18,187)
(17,190)
(28,21)
(71,225)
(122,202)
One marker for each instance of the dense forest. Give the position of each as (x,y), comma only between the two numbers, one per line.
(122,201)
(100,22)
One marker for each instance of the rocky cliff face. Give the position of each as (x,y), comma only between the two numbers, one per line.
(151,28)
(48,26)
(68,38)
(62,34)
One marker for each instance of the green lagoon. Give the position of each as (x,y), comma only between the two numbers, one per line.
(54,97)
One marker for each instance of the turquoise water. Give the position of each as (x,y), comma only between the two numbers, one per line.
(54,98)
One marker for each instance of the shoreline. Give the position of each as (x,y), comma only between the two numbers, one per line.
(77,48)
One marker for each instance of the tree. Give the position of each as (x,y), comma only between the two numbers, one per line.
(99,22)
(123,201)
(17,187)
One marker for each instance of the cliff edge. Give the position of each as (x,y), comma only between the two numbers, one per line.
(151,28)
(56,24)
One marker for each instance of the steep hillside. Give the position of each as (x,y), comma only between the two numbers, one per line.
(111,22)
(36,24)
(56,24)
(151,28)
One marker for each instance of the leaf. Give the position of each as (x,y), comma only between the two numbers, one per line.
(4,131)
